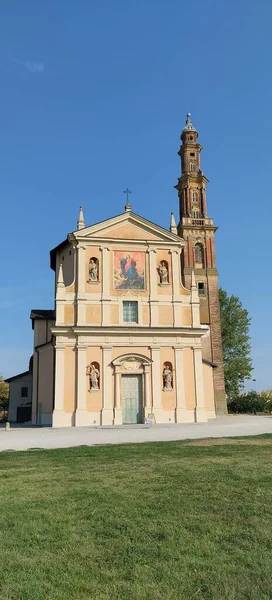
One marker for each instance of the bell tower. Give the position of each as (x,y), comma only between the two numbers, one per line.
(198,230)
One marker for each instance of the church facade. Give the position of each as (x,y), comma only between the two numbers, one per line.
(135,334)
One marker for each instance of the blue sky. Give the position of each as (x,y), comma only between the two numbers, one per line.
(93,99)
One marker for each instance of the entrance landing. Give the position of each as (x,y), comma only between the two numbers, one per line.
(24,438)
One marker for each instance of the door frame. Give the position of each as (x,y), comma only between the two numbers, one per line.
(132,364)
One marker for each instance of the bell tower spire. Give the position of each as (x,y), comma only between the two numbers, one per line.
(197,229)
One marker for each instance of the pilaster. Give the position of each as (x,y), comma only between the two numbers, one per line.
(200,411)
(183,415)
(106,285)
(81,271)
(80,416)
(156,384)
(154,306)
(107,410)
(59,419)
(117,397)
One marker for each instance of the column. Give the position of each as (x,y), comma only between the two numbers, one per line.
(154,307)
(118,420)
(200,411)
(81,276)
(81,408)
(58,412)
(106,286)
(147,399)
(156,384)
(107,410)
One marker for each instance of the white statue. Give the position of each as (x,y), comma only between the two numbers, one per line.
(94,378)
(163,272)
(93,270)
(167,378)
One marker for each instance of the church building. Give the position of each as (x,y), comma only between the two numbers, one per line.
(135,335)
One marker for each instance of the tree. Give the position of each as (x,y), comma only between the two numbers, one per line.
(235,323)
(4,394)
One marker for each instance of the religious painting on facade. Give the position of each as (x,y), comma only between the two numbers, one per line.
(129,270)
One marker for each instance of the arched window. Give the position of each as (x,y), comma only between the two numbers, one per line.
(199,255)
(195,212)
(192,166)
(195,197)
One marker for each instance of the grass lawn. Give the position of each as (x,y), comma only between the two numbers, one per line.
(179,520)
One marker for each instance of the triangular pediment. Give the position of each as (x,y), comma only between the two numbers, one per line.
(128,226)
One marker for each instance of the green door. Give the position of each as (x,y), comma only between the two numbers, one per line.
(132,398)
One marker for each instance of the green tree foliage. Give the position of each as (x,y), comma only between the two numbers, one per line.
(4,394)
(235,322)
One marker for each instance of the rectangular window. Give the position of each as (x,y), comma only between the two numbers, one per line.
(130,312)
(24,392)
(201,288)
(192,154)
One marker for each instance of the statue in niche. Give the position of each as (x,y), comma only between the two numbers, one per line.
(163,272)
(93,270)
(94,374)
(167,378)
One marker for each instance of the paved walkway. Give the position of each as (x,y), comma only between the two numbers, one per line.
(23,438)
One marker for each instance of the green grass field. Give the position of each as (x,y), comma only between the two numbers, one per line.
(179,520)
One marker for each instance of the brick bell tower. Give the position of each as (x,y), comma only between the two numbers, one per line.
(198,230)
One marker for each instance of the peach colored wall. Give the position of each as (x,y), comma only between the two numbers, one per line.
(93,313)
(69,379)
(94,399)
(45,380)
(186,315)
(165,315)
(168,398)
(208,386)
(114,310)
(93,251)
(146,315)
(69,314)
(130,350)
(123,292)
(129,231)
(164,290)
(189,378)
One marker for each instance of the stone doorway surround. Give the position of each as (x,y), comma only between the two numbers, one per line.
(134,364)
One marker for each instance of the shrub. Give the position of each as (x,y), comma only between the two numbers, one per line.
(251,402)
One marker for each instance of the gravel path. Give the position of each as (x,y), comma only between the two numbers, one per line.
(25,437)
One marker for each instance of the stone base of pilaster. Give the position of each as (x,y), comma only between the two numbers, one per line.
(118,417)
(61,418)
(107,416)
(201,415)
(83,418)
(149,414)
(183,415)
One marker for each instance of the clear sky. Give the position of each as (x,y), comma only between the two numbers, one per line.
(93,99)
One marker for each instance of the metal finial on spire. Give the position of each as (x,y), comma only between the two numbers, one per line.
(81,222)
(127,205)
(189,125)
